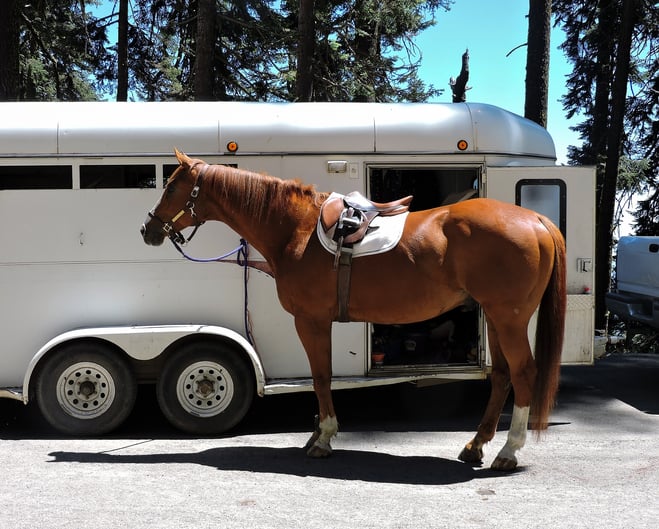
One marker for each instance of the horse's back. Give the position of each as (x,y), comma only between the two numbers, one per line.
(486,211)
(490,221)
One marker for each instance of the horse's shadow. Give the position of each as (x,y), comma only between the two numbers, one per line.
(343,465)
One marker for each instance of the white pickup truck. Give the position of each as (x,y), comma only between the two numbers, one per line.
(636,296)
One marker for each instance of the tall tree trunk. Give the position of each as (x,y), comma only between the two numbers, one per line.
(537,61)
(367,52)
(605,37)
(9,40)
(122,52)
(203,75)
(305,51)
(614,139)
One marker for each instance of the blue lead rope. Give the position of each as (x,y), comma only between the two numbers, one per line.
(241,252)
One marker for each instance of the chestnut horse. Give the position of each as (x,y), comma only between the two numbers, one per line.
(509,259)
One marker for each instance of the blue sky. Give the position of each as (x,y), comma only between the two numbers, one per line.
(491,29)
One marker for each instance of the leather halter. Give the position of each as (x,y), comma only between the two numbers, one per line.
(168,227)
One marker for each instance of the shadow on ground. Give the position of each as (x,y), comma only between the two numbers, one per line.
(345,464)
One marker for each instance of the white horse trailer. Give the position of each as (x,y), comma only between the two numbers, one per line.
(90,311)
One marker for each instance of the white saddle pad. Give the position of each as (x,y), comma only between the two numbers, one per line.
(382,235)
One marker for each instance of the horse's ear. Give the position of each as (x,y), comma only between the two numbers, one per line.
(183,158)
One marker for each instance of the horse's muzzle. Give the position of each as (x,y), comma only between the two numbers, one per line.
(152,237)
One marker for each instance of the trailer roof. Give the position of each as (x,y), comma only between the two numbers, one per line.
(109,128)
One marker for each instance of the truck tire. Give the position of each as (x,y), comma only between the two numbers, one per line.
(205,388)
(85,388)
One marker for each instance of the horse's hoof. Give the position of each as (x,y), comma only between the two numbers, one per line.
(504,464)
(319,450)
(312,440)
(470,454)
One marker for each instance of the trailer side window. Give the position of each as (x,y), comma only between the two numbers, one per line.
(547,197)
(36,177)
(117,176)
(167,171)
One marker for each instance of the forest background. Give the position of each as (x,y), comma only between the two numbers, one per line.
(357,50)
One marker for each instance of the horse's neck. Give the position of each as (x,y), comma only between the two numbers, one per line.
(259,212)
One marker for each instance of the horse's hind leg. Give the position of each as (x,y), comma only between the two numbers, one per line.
(516,348)
(512,362)
(500,382)
(316,339)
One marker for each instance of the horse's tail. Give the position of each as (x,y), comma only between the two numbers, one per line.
(549,334)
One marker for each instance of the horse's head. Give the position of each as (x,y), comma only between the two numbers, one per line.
(175,210)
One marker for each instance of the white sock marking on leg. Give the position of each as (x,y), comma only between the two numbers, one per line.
(328,428)
(516,434)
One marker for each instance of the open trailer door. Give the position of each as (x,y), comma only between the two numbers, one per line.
(567,196)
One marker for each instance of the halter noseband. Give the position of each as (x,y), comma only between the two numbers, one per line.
(168,227)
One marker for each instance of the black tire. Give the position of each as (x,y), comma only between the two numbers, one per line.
(205,388)
(85,388)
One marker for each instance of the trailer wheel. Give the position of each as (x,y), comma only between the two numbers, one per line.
(85,388)
(205,388)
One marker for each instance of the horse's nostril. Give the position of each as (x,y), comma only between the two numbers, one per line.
(143,229)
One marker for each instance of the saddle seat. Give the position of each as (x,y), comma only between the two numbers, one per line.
(350,216)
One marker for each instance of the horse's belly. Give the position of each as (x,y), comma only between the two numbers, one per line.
(388,295)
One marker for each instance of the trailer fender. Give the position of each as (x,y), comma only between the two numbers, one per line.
(146,343)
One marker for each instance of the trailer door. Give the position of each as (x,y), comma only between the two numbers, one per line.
(567,196)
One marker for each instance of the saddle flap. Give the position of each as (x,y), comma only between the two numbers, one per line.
(365,223)
(330,211)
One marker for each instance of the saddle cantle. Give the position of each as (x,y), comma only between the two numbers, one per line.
(346,221)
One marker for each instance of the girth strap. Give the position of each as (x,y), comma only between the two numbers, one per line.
(343,282)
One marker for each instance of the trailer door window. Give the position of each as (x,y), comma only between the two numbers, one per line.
(430,186)
(117,176)
(36,177)
(544,196)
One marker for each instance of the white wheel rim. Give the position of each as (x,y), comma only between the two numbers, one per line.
(85,390)
(204,389)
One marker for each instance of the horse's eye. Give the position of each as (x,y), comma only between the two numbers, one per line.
(169,189)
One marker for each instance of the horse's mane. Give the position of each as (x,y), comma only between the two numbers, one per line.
(259,193)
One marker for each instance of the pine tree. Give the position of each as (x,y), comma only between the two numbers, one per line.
(607,42)
(357,49)
(61,49)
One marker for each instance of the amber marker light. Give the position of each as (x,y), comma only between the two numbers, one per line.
(462,145)
(232,146)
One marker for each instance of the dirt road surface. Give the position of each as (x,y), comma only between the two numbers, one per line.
(394,464)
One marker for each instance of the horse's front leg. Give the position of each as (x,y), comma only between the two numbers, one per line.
(316,337)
